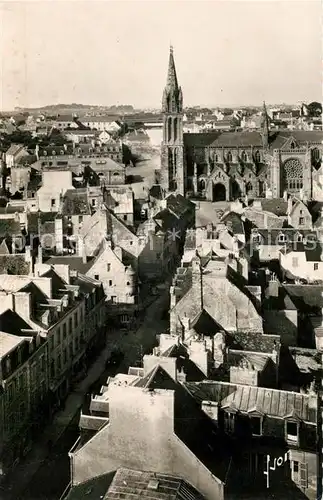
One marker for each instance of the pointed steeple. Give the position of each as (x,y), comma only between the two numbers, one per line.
(171,75)
(265,126)
(172,96)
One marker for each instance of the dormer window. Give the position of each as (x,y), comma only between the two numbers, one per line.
(292,431)
(256,425)
(292,145)
(229,422)
(282,238)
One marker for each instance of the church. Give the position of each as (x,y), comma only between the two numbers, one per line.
(224,166)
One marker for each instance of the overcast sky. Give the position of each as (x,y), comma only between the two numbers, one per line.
(106,52)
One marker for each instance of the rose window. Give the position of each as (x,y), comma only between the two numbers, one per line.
(293,172)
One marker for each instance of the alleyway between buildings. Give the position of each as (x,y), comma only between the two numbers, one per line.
(133,344)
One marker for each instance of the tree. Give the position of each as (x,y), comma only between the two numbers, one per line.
(314,109)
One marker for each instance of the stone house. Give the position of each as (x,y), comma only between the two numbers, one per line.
(13,154)
(280,313)
(298,215)
(24,384)
(55,183)
(120,200)
(119,281)
(303,261)
(218,287)
(67,310)
(148,412)
(270,423)
(152,251)
(266,244)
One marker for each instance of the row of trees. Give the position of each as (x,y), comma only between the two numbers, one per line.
(25,138)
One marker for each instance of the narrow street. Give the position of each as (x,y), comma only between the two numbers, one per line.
(44,473)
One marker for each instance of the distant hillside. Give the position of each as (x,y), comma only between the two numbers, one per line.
(75,108)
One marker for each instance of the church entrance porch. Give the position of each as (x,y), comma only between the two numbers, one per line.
(235,190)
(219,192)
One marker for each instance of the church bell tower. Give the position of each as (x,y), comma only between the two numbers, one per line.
(172,149)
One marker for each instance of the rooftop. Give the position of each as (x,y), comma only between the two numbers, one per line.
(9,342)
(247,399)
(132,485)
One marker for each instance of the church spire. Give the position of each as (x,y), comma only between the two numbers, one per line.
(265,126)
(171,75)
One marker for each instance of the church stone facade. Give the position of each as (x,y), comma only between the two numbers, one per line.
(224,166)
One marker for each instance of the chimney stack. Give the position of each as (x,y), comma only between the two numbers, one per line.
(40,254)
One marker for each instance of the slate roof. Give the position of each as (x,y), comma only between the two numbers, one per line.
(307,360)
(179,205)
(136,485)
(166,220)
(11,209)
(14,149)
(106,118)
(246,139)
(250,341)
(276,206)
(256,360)
(75,263)
(11,322)
(197,139)
(8,342)
(271,236)
(314,254)
(156,192)
(93,489)
(305,296)
(233,222)
(243,398)
(75,202)
(57,150)
(9,227)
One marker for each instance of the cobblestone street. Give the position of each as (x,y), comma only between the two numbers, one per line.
(35,472)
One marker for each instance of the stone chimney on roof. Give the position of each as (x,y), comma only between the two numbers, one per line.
(186,322)
(273,286)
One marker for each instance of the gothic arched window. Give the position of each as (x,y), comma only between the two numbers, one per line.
(292,145)
(316,154)
(169,129)
(293,174)
(249,187)
(202,184)
(216,158)
(229,157)
(257,157)
(175,129)
(244,156)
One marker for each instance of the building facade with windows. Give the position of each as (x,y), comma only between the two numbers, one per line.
(227,165)
(68,311)
(24,388)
